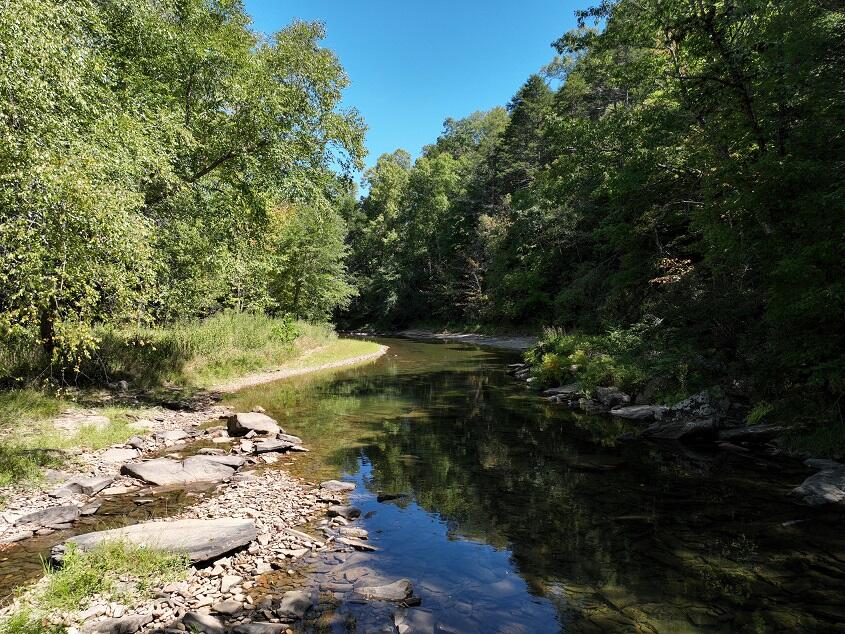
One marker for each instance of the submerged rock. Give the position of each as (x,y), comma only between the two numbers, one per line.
(337,485)
(825,487)
(200,540)
(397,591)
(164,471)
(295,603)
(266,446)
(242,423)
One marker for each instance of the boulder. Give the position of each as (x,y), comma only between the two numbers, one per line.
(344,511)
(271,444)
(200,540)
(115,455)
(242,423)
(825,487)
(123,625)
(612,397)
(166,472)
(337,485)
(397,591)
(202,623)
(53,516)
(295,603)
(640,412)
(235,462)
(700,406)
(229,606)
(81,485)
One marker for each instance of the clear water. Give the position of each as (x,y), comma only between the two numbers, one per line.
(522,517)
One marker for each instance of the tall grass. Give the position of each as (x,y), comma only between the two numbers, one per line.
(114,571)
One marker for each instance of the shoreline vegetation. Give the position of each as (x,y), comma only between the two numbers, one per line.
(42,428)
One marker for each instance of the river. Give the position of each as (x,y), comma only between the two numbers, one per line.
(518,516)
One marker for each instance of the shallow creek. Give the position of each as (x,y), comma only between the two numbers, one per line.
(512,515)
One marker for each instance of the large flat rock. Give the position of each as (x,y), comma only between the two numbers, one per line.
(242,423)
(825,487)
(201,540)
(167,472)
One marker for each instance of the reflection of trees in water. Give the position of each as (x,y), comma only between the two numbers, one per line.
(644,541)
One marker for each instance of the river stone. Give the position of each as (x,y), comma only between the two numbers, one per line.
(337,485)
(53,516)
(570,390)
(265,446)
(639,412)
(123,625)
(235,462)
(81,485)
(295,602)
(227,582)
(200,540)
(164,471)
(295,440)
(344,511)
(357,544)
(242,423)
(824,487)
(229,606)
(198,622)
(119,455)
(612,396)
(172,435)
(396,591)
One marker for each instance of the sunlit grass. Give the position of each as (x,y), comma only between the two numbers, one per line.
(115,571)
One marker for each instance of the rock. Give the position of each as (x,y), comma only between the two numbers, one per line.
(590,406)
(612,397)
(676,430)
(81,485)
(295,602)
(227,582)
(389,497)
(136,442)
(172,435)
(822,464)
(294,440)
(90,509)
(571,390)
(202,623)
(242,423)
(357,544)
(123,625)
(396,591)
(229,606)
(350,531)
(751,433)
(260,628)
(824,487)
(201,540)
(235,462)
(263,446)
(640,412)
(211,451)
(700,406)
(18,536)
(55,515)
(345,511)
(163,471)
(119,490)
(119,455)
(337,485)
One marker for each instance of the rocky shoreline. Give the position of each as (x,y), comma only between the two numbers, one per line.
(701,417)
(249,530)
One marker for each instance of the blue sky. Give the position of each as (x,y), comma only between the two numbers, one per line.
(413,63)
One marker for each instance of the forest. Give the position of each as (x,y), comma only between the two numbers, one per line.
(665,197)
(666,194)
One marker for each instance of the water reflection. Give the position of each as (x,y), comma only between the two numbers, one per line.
(523,517)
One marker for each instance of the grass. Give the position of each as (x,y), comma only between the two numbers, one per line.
(29,443)
(114,571)
(203,353)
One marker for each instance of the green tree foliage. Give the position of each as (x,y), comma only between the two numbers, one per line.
(683,181)
(145,147)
